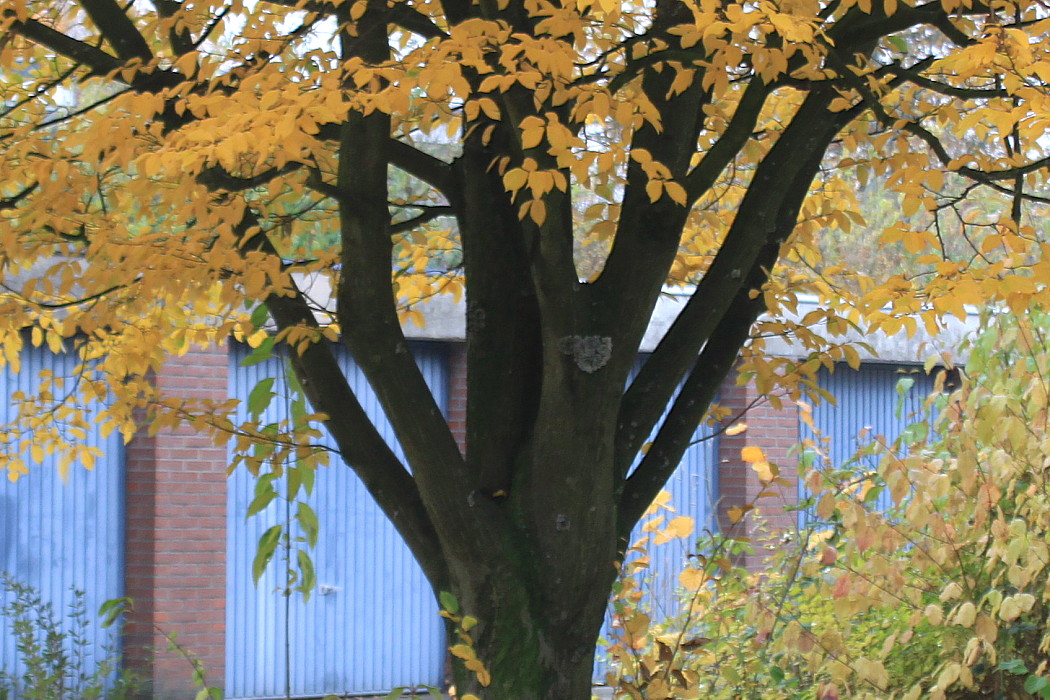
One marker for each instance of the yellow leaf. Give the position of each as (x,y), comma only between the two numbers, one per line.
(679,526)
(462,651)
(676,192)
(538,212)
(692,579)
(515,179)
(736,429)
(752,454)
(766,471)
(654,189)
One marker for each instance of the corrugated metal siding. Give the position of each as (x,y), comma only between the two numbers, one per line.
(58,536)
(867,404)
(694,491)
(378,627)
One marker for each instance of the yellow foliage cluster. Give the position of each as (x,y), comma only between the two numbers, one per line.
(134,150)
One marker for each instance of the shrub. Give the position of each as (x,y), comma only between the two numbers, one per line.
(945,594)
(54,659)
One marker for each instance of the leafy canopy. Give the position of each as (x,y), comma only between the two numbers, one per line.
(171,167)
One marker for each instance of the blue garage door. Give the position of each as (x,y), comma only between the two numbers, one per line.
(870,404)
(60,537)
(372,623)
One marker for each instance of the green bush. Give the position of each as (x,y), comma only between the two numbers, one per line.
(53,654)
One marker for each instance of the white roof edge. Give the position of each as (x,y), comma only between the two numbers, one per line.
(445,320)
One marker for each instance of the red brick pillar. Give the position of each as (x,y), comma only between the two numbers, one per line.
(175,537)
(457,393)
(774,430)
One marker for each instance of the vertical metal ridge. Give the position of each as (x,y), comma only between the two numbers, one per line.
(58,536)
(379,627)
(694,492)
(865,409)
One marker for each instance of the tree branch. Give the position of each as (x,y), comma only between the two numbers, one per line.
(428,214)
(217,178)
(407,17)
(94,58)
(118,28)
(711,367)
(423,166)
(12,201)
(775,183)
(181,40)
(359,443)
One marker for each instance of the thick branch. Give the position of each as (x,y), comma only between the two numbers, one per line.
(428,214)
(96,59)
(648,233)
(181,39)
(367,313)
(802,147)
(913,76)
(118,29)
(699,389)
(217,178)
(359,443)
(756,223)
(12,201)
(423,166)
(415,21)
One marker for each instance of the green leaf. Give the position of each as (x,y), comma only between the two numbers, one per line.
(263,496)
(307,475)
(433,692)
(294,474)
(264,551)
(1014,666)
(395,693)
(261,353)
(308,578)
(113,608)
(448,602)
(307,519)
(202,694)
(260,396)
(898,43)
(293,379)
(1036,683)
(259,315)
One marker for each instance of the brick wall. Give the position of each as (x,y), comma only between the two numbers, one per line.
(175,541)
(176,514)
(457,394)
(775,431)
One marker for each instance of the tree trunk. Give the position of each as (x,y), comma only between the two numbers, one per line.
(530,652)
(539,589)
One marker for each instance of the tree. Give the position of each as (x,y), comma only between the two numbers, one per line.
(158,158)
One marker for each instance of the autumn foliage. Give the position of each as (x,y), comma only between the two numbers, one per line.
(175,173)
(942,595)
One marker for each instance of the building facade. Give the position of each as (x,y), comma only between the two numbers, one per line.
(160,521)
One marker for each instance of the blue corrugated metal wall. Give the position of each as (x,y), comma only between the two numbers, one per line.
(867,404)
(379,627)
(372,623)
(58,536)
(694,492)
